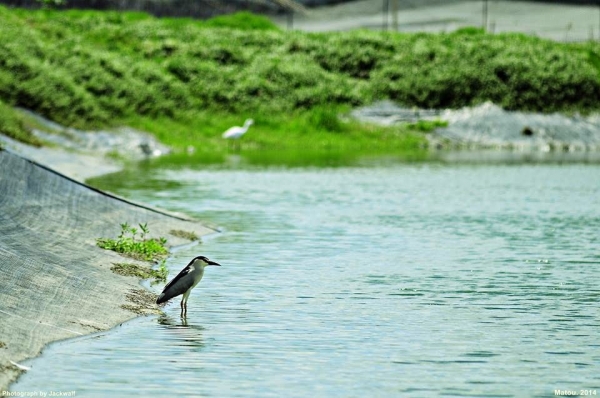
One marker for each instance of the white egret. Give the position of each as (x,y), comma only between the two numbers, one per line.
(236,132)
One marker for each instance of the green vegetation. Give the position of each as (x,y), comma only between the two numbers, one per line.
(187,81)
(427,126)
(189,235)
(139,271)
(130,245)
(13,125)
(278,131)
(241,21)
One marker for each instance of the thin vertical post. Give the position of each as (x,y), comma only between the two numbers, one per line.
(395,15)
(386,11)
(484,22)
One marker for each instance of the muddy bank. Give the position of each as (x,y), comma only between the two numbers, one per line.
(82,154)
(490,127)
(56,282)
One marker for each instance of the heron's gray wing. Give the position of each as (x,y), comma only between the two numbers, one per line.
(186,270)
(179,285)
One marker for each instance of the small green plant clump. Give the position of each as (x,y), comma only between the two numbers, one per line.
(189,235)
(139,271)
(427,126)
(129,244)
(162,272)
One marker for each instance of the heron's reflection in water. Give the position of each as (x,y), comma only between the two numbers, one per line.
(181,333)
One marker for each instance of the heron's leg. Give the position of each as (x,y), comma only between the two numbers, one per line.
(181,305)
(184,303)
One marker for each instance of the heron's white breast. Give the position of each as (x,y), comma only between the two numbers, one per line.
(198,272)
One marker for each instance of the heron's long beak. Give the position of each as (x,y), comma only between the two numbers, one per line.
(213,263)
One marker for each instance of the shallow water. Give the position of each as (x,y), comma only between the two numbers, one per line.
(385,280)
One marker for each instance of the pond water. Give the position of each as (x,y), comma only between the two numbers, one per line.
(368,280)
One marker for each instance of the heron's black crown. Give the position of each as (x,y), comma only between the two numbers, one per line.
(205,259)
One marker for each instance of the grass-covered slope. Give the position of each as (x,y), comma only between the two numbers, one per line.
(188,80)
(13,125)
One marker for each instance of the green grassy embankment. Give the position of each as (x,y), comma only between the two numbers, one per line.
(13,125)
(186,81)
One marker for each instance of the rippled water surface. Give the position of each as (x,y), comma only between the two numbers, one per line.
(374,281)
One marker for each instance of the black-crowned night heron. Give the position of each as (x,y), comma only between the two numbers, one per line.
(185,281)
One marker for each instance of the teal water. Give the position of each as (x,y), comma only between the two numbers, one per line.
(374,281)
